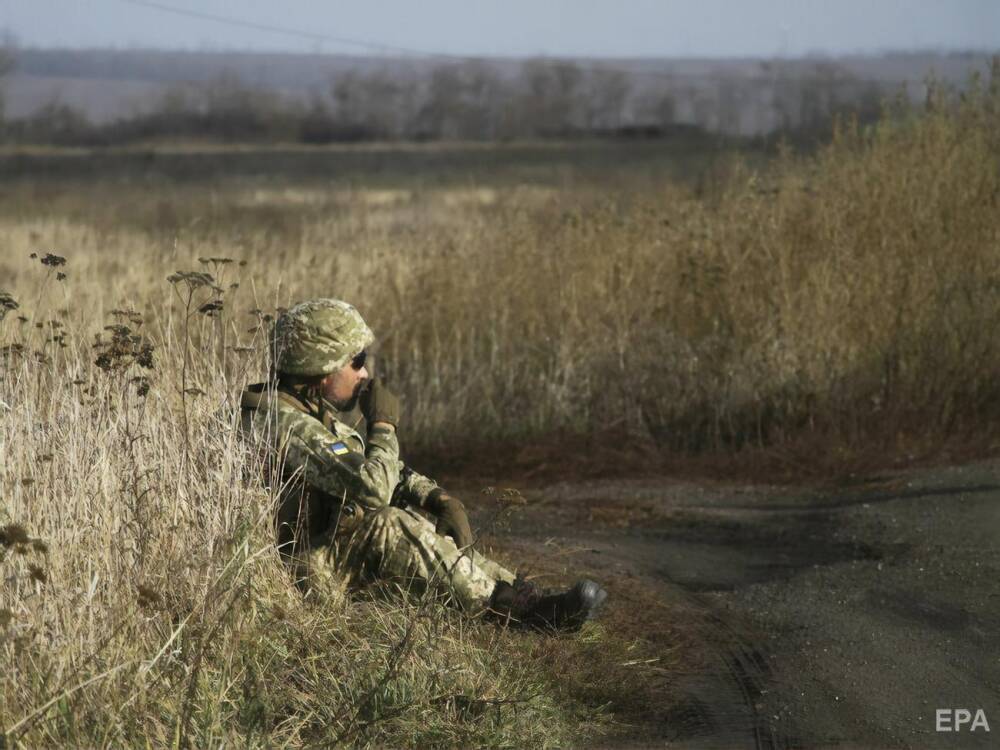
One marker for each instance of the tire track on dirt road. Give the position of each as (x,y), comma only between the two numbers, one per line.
(826,618)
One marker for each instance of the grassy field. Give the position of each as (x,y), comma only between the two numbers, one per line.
(666,299)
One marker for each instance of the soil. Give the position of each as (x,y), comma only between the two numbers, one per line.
(815,618)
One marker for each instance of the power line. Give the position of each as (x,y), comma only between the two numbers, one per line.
(287,31)
(566,65)
(379,46)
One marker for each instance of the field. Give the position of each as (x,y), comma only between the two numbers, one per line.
(595,308)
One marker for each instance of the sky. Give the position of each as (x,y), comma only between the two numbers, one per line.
(517,28)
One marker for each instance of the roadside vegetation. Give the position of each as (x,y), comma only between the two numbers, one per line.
(143,602)
(812,307)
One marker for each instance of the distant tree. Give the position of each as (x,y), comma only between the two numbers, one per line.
(548,100)
(8,44)
(376,105)
(666,109)
(319,124)
(483,95)
(868,102)
(176,112)
(225,108)
(829,91)
(730,104)
(605,94)
(464,101)
(234,110)
(704,109)
(819,96)
(442,105)
(56,123)
(786,96)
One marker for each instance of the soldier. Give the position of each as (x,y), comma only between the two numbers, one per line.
(347,508)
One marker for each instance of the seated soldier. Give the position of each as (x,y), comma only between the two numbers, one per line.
(347,503)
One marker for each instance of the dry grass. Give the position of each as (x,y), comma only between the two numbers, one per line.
(143,601)
(850,297)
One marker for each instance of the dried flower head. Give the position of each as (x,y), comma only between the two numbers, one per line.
(148,597)
(13,533)
(7,303)
(141,383)
(37,573)
(211,308)
(512,496)
(133,317)
(193,279)
(124,349)
(53,260)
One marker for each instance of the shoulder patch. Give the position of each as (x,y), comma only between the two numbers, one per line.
(339,448)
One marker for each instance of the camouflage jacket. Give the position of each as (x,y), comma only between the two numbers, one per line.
(330,473)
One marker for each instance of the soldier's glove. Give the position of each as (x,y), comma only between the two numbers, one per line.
(379,404)
(348,518)
(451,517)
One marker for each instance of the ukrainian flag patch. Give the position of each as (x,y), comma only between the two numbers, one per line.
(339,449)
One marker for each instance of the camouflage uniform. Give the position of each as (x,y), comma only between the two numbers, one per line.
(343,515)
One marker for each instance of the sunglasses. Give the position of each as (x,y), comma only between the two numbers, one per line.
(359,360)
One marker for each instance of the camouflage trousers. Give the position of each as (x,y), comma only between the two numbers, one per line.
(397,546)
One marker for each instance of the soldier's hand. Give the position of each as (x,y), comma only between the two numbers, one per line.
(349,518)
(452,519)
(379,404)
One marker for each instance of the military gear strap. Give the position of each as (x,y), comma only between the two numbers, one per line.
(294,401)
(399,498)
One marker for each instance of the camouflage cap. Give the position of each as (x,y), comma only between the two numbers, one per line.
(318,337)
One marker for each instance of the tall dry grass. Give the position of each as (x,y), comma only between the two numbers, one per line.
(852,294)
(849,294)
(143,602)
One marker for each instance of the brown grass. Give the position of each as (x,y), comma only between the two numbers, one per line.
(143,600)
(846,300)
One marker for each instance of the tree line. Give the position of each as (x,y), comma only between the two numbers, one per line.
(470,100)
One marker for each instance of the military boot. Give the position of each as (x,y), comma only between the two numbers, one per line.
(524,604)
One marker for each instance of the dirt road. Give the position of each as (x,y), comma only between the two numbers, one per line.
(840,618)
